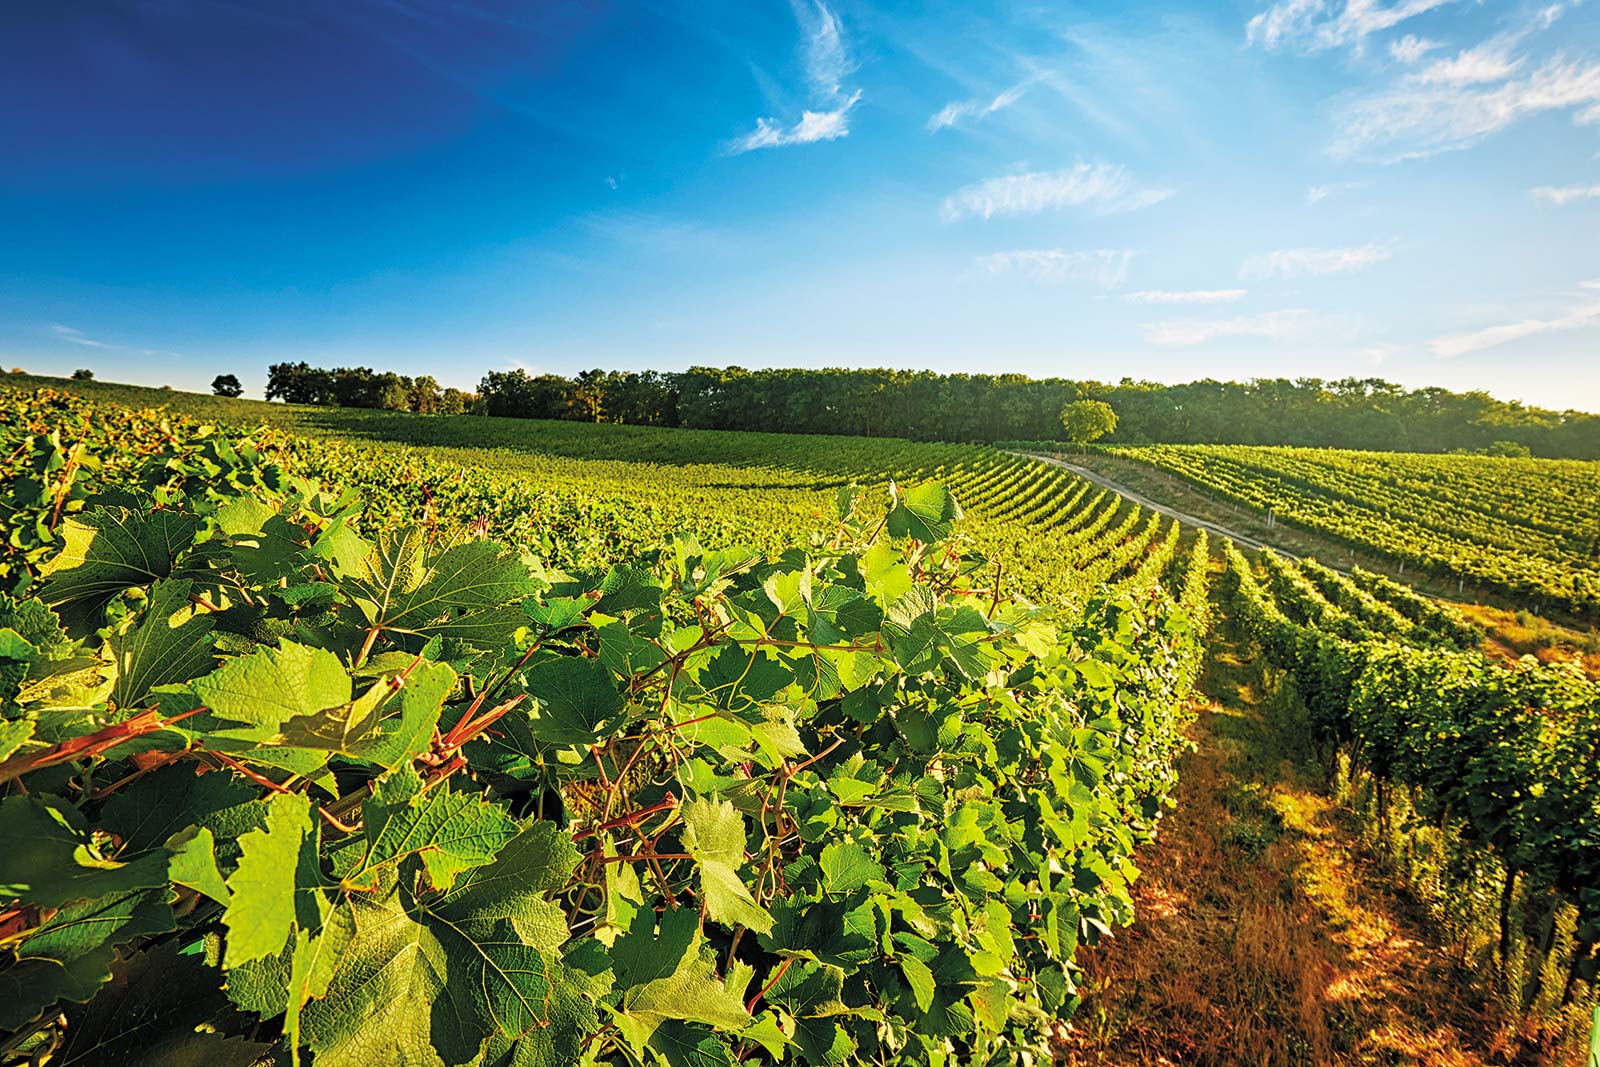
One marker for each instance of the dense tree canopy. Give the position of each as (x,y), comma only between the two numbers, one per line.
(361,387)
(1087,420)
(226,385)
(1366,413)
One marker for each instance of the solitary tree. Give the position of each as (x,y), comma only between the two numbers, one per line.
(83,375)
(226,385)
(1087,420)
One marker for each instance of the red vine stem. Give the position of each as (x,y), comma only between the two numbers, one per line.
(782,967)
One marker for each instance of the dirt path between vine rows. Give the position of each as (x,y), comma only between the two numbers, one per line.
(1238,537)
(1265,932)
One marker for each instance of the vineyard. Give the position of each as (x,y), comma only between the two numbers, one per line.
(348,752)
(345,737)
(1525,529)
(1483,779)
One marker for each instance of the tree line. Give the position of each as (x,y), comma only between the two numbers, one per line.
(1364,413)
(361,387)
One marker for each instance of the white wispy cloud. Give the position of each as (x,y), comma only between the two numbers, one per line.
(77,337)
(1300,262)
(1315,194)
(1274,325)
(1316,25)
(1454,103)
(812,126)
(1105,267)
(828,64)
(1583,312)
(1491,61)
(1565,194)
(1105,187)
(827,60)
(1183,296)
(1410,48)
(958,110)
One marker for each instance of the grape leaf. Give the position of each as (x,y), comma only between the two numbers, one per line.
(107,550)
(925,512)
(158,653)
(49,861)
(423,980)
(846,867)
(13,735)
(459,592)
(450,832)
(194,863)
(69,956)
(264,887)
(155,1012)
(669,977)
(410,733)
(162,803)
(576,698)
(270,686)
(714,834)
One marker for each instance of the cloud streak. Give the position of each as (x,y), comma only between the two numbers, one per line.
(1318,25)
(1565,194)
(1184,296)
(1303,262)
(827,62)
(77,337)
(813,126)
(1105,267)
(72,335)
(1104,187)
(957,111)
(1581,314)
(1410,48)
(1273,325)
(1454,103)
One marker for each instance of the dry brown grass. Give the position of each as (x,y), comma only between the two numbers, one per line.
(1267,935)
(1511,634)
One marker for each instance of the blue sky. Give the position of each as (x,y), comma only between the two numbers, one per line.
(1401,188)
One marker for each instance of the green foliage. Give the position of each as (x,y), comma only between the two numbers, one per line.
(461,804)
(1526,529)
(1087,420)
(1504,755)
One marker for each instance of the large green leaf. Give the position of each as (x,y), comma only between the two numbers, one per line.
(31,644)
(450,832)
(167,801)
(51,861)
(157,651)
(577,697)
(409,732)
(270,686)
(430,980)
(925,512)
(108,550)
(69,956)
(194,863)
(471,591)
(670,976)
(161,1008)
(714,834)
(269,887)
